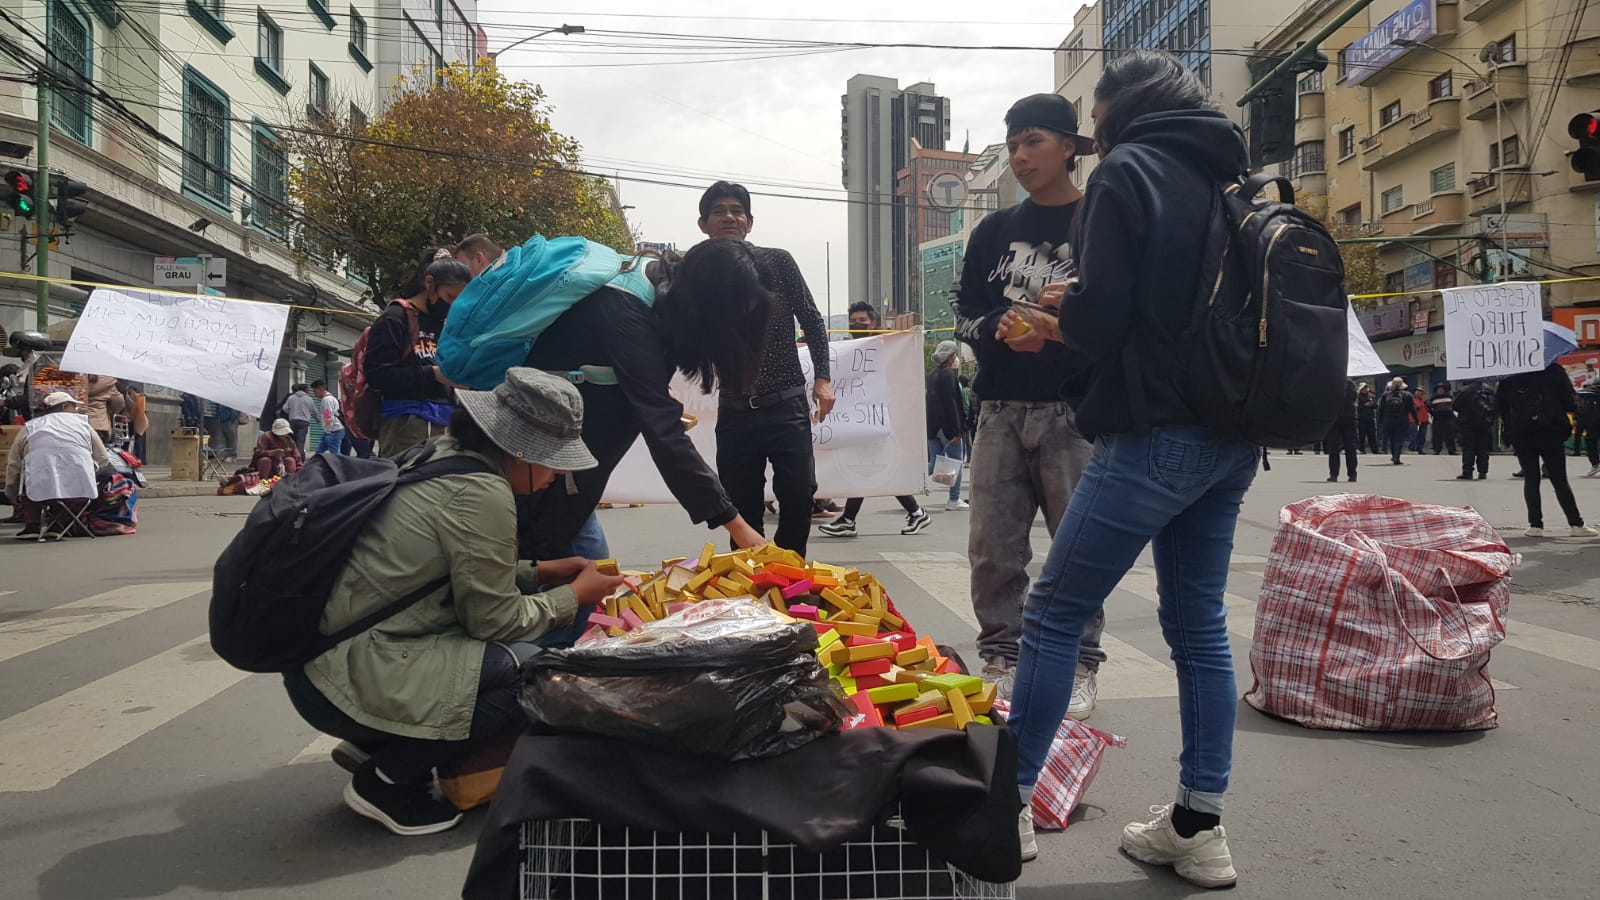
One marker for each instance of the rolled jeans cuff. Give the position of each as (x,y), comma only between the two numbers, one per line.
(1199,801)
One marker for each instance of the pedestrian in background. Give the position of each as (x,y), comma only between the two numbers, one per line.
(299,408)
(1397,412)
(1442,410)
(1533,413)
(1588,424)
(103,402)
(946,421)
(864,322)
(1419,430)
(1367,419)
(1028,454)
(334,438)
(1343,437)
(417,400)
(1475,410)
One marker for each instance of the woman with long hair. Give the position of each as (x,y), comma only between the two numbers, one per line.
(417,400)
(1158,477)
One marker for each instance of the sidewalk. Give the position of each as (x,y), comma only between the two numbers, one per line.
(161,485)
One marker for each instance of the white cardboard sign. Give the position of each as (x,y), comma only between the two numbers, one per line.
(1493,330)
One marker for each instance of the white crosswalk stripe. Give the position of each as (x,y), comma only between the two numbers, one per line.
(69,620)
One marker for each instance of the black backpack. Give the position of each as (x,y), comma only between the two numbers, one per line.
(270,585)
(1398,405)
(1528,411)
(1479,409)
(1268,335)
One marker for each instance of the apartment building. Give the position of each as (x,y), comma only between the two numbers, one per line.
(170,114)
(1079,62)
(1443,125)
(989,179)
(924,203)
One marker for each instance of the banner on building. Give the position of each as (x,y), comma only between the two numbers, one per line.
(876,381)
(1493,330)
(223,350)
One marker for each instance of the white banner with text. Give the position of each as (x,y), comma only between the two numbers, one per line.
(1493,330)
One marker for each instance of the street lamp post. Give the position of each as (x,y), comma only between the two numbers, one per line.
(564,29)
(1493,81)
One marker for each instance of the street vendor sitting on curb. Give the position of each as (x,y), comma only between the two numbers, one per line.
(441,677)
(277,451)
(54,458)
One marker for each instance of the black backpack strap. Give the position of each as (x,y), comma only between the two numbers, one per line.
(1260,181)
(415,468)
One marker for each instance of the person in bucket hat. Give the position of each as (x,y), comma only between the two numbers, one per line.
(440,678)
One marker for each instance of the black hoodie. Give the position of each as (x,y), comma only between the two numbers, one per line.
(1147,208)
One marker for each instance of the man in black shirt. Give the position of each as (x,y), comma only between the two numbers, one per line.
(1028,454)
(772,422)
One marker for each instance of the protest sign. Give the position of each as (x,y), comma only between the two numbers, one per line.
(1364,360)
(1493,330)
(856,456)
(223,350)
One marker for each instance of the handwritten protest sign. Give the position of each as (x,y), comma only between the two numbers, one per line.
(222,350)
(1493,330)
(860,390)
(1363,359)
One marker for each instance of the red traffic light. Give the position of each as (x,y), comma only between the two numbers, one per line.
(19,182)
(1584,127)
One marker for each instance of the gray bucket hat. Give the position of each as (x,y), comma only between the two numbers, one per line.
(534,416)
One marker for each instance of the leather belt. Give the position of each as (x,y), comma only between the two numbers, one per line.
(762,401)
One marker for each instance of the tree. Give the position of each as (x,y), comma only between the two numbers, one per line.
(468,152)
(1363,267)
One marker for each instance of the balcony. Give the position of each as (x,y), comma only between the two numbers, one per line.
(1585,68)
(1478,10)
(1484,191)
(1512,87)
(1441,212)
(1411,133)
(1370,229)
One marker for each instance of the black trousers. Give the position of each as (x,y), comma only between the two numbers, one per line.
(412,760)
(747,440)
(1549,451)
(1475,443)
(1398,432)
(1342,437)
(1368,440)
(1444,436)
(852,507)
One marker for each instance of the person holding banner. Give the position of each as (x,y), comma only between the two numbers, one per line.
(1533,410)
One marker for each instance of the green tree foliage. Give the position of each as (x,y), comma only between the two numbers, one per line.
(488,161)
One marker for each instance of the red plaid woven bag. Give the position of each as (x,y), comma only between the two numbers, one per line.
(1069,768)
(1378,614)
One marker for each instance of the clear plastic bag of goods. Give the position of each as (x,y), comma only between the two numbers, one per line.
(945,470)
(723,678)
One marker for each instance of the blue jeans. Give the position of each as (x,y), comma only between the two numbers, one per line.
(1178,490)
(590,542)
(332,442)
(952,449)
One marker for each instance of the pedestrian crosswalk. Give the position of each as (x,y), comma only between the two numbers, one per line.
(73,725)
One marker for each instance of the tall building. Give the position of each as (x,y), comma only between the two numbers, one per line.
(167,113)
(879,125)
(1452,142)
(1079,63)
(923,216)
(941,258)
(1208,35)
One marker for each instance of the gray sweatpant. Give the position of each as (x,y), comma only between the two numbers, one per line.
(1026,457)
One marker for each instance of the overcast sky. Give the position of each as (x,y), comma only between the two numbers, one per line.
(766,120)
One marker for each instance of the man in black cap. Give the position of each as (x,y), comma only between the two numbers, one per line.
(1028,454)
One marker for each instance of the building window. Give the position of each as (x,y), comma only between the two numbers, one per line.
(319,8)
(358,40)
(1444,274)
(72,46)
(1443,179)
(1344,63)
(1505,155)
(1347,142)
(205,140)
(1311,83)
(1389,115)
(1350,216)
(1393,199)
(1440,87)
(208,13)
(318,95)
(1394,283)
(269,179)
(358,119)
(269,53)
(1307,160)
(1075,54)
(1506,50)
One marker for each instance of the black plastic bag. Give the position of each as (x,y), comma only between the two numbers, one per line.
(732,697)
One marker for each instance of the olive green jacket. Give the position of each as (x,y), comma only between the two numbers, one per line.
(416,674)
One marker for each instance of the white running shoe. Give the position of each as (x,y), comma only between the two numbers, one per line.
(1534,533)
(1030,844)
(839,528)
(1584,531)
(957,505)
(1085,688)
(1593,472)
(1002,673)
(1203,859)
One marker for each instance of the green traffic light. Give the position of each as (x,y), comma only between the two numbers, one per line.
(24,205)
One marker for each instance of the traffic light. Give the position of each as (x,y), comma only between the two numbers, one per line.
(19,192)
(1585,128)
(1272,111)
(67,206)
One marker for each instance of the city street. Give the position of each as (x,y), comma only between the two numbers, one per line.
(134,764)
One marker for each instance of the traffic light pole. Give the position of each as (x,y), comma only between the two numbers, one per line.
(42,192)
(1303,52)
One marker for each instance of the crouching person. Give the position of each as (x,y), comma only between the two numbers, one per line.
(442,676)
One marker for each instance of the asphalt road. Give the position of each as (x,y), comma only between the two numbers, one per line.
(133,764)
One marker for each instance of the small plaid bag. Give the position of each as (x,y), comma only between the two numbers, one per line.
(1071,765)
(1378,614)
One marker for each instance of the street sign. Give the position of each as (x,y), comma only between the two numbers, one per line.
(216,272)
(947,191)
(182,272)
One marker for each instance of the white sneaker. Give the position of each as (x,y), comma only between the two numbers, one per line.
(1085,688)
(917,522)
(1002,673)
(840,527)
(1203,859)
(1584,531)
(1030,845)
(1593,472)
(1534,533)
(957,505)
